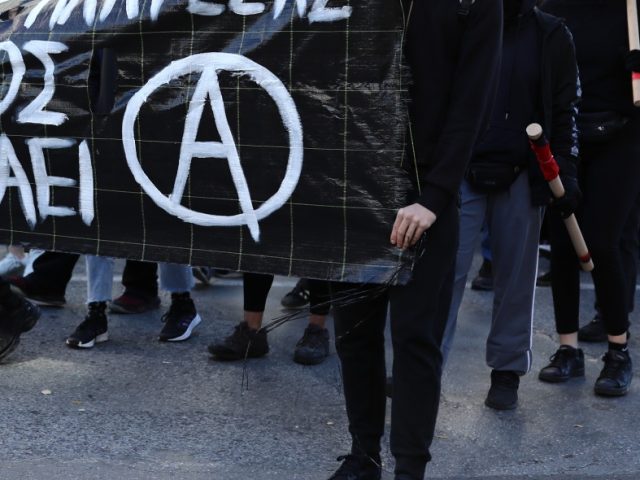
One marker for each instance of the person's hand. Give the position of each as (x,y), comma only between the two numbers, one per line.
(411,222)
(567,204)
(632,61)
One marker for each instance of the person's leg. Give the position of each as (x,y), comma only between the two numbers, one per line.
(182,317)
(613,195)
(514,226)
(418,315)
(515,230)
(141,278)
(47,283)
(313,347)
(94,327)
(483,281)
(359,339)
(248,338)
(17,316)
(473,209)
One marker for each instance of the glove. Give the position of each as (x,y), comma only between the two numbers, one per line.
(632,61)
(567,204)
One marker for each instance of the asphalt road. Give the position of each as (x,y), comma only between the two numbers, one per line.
(134,408)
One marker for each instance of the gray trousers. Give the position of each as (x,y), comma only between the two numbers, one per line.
(514,231)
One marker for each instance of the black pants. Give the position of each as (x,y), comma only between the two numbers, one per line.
(141,278)
(609,217)
(256,288)
(418,313)
(52,272)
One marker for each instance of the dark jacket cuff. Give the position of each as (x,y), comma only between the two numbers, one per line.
(435,199)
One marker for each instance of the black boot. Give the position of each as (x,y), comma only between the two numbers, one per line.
(566,363)
(615,377)
(503,394)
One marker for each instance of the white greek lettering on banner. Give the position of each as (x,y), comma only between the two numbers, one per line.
(209,64)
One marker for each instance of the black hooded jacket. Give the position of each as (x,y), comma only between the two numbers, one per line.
(539,83)
(454,59)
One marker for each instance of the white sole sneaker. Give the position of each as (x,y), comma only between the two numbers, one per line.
(103,337)
(194,323)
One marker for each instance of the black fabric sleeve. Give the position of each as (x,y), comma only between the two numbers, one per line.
(470,104)
(565,98)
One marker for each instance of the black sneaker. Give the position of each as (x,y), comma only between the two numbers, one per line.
(298,297)
(484,279)
(503,394)
(92,330)
(594,331)
(566,363)
(313,347)
(615,377)
(15,322)
(180,319)
(243,342)
(357,467)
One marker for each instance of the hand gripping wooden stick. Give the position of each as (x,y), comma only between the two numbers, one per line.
(634,44)
(551,171)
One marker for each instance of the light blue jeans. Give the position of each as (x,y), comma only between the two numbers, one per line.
(174,278)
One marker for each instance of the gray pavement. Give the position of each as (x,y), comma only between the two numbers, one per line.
(134,408)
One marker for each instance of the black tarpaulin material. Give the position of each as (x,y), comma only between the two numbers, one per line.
(263,137)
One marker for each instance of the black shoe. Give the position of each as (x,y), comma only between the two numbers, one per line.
(180,319)
(357,467)
(313,347)
(566,363)
(40,297)
(594,331)
(131,302)
(15,322)
(243,342)
(544,280)
(92,330)
(503,394)
(484,279)
(298,297)
(615,377)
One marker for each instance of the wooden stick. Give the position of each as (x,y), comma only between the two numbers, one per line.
(634,44)
(535,133)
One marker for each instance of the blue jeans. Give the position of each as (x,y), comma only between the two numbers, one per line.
(174,278)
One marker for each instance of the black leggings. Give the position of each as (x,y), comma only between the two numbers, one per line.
(609,217)
(257,286)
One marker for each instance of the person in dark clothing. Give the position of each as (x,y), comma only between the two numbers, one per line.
(17,316)
(52,271)
(504,187)
(609,127)
(453,50)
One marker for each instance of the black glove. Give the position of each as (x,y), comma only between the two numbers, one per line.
(632,61)
(567,204)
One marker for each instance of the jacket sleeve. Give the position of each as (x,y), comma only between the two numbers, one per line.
(565,97)
(470,104)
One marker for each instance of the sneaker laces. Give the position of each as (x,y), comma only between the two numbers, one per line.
(558,359)
(180,305)
(312,337)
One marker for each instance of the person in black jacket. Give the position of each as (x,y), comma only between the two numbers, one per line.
(505,188)
(609,127)
(453,50)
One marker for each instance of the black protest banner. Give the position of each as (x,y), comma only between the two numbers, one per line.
(254,136)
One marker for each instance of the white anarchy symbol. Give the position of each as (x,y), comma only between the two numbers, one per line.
(208,86)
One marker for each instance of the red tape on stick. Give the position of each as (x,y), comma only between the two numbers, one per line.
(635,76)
(548,164)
